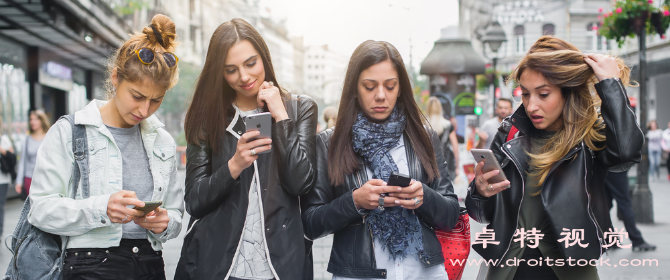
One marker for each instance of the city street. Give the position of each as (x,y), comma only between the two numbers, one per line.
(655,234)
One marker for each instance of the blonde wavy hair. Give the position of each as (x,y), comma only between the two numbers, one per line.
(563,65)
(129,67)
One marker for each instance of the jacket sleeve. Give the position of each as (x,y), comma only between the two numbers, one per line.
(322,212)
(205,189)
(440,208)
(481,208)
(174,204)
(623,134)
(293,141)
(52,210)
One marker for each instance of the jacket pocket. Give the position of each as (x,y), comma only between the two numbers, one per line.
(97,158)
(164,164)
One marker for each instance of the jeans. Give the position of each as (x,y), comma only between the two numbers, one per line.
(654,164)
(616,187)
(134,259)
(3,198)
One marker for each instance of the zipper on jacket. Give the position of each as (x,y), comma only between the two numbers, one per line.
(523,192)
(588,209)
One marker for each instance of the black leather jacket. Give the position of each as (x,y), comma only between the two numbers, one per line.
(330,209)
(218,203)
(573,193)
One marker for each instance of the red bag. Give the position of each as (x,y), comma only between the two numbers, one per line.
(456,246)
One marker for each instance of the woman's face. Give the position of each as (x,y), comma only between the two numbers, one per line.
(653,125)
(378,88)
(542,100)
(244,69)
(136,101)
(35,123)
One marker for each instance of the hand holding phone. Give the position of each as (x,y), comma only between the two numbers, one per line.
(490,164)
(149,206)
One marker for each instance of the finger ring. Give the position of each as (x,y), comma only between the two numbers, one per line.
(253,152)
(271,83)
(126,218)
(481,180)
(417,201)
(152,229)
(381,203)
(262,93)
(490,187)
(145,220)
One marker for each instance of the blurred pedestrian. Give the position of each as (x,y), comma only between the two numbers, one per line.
(329,116)
(243,192)
(8,162)
(445,130)
(654,137)
(38,126)
(132,160)
(381,131)
(665,144)
(489,128)
(555,151)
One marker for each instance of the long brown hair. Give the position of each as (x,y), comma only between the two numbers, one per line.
(44,121)
(341,157)
(207,116)
(128,66)
(563,65)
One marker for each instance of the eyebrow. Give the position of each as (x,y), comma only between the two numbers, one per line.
(376,80)
(535,88)
(136,91)
(248,59)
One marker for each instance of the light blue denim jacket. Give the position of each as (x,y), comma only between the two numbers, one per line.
(85,220)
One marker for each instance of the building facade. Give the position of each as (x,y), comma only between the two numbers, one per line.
(324,74)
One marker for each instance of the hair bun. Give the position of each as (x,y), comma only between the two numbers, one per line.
(166,32)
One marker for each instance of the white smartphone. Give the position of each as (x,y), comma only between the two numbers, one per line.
(261,122)
(490,164)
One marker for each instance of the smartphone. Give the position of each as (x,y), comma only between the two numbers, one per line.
(261,122)
(490,164)
(149,206)
(400,180)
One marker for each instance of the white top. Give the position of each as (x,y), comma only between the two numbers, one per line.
(5,178)
(654,137)
(491,128)
(409,268)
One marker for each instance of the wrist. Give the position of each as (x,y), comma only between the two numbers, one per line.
(234,171)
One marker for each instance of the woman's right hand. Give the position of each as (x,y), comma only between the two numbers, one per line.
(19,188)
(117,209)
(243,157)
(367,196)
(482,181)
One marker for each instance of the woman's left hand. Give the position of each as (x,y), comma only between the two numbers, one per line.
(410,197)
(156,221)
(603,66)
(269,95)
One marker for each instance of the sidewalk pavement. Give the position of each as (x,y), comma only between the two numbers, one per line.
(656,233)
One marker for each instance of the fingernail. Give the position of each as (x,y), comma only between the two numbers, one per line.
(397,202)
(269,141)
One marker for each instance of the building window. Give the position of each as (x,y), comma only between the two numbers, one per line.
(594,41)
(548,29)
(519,32)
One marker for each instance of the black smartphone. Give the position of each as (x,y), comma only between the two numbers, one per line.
(261,122)
(400,180)
(149,206)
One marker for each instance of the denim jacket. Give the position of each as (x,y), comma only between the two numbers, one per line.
(86,220)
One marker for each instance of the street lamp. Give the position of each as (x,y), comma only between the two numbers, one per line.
(494,36)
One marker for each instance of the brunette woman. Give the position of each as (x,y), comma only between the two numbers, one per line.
(245,213)
(37,126)
(381,231)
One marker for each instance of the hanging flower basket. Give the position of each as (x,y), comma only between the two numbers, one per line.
(630,17)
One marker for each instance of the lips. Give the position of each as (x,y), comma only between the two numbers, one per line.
(379,109)
(137,118)
(536,118)
(248,86)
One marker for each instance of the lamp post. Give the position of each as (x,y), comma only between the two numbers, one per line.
(493,36)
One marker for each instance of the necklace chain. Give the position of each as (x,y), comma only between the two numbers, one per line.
(244,108)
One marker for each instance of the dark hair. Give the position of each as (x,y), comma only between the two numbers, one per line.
(506,100)
(130,68)
(342,159)
(207,116)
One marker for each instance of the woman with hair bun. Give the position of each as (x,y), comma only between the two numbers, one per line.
(556,151)
(131,160)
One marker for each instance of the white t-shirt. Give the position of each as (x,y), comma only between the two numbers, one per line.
(491,128)
(5,178)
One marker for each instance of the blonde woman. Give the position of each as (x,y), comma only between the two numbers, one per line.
(445,130)
(38,126)
(556,164)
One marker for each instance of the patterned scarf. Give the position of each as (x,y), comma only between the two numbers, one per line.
(396,228)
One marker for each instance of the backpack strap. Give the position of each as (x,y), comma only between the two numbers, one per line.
(512,132)
(80,151)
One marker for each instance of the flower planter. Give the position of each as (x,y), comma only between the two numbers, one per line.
(639,23)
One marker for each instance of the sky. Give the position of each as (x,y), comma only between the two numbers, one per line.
(344,24)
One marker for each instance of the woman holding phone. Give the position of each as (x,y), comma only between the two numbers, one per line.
(242,189)
(555,151)
(131,160)
(381,231)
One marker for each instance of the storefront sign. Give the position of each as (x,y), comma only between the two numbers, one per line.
(518,12)
(56,75)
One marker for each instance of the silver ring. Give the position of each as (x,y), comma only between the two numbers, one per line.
(271,83)
(417,201)
(126,218)
(262,93)
(490,187)
(253,152)
(145,220)
(152,229)
(381,203)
